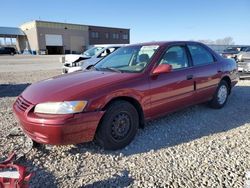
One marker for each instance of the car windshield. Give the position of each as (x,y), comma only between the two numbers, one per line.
(92,51)
(128,59)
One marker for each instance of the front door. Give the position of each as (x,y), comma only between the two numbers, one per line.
(174,90)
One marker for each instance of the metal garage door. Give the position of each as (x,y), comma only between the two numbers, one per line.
(53,40)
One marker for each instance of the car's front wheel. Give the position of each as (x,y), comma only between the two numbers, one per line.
(118,126)
(220,96)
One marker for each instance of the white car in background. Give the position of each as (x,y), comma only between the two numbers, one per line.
(78,62)
(244,55)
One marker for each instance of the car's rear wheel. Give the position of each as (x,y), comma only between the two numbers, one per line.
(220,96)
(118,126)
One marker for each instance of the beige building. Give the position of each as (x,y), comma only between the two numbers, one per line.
(42,37)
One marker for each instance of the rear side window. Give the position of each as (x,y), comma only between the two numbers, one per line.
(200,55)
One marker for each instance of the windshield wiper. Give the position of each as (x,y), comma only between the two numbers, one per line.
(112,69)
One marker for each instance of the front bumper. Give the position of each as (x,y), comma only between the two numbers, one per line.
(58,129)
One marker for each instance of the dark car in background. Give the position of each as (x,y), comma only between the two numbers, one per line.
(7,50)
(231,52)
(134,84)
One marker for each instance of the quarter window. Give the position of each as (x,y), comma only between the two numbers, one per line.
(200,55)
(175,56)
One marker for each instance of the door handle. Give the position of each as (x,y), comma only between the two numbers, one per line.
(190,77)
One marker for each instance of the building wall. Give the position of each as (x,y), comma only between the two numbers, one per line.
(22,43)
(30,31)
(75,37)
(105,35)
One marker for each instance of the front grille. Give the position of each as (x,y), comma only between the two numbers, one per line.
(22,104)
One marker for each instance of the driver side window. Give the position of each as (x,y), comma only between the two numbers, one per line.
(175,56)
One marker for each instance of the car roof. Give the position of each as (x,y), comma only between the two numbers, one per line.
(164,43)
(108,45)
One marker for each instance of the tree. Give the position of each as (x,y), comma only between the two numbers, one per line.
(206,41)
(223,41)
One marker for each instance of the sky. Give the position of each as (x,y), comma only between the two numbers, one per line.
(148,20)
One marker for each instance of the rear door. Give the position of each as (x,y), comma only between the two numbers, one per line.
(173,90)
(206,74)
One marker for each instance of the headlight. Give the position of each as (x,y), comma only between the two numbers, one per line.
(67,107)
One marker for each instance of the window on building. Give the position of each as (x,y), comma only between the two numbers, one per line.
(106,35)
(8,41)
(125,36)
(115,35)
(94,34)
(13,41)
(2,42)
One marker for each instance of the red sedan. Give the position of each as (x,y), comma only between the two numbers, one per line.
(110,101)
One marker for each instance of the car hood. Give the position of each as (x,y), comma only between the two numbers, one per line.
(72,86)
(73,57)
(92,61)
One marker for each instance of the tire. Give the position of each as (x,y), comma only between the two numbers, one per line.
(36,144)
(118,126)
(221,95)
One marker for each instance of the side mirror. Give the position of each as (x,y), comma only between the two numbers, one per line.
(163,68)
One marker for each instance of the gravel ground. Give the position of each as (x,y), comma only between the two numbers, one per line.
(195,147)
(21,63)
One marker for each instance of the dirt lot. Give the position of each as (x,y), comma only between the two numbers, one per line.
(195,147)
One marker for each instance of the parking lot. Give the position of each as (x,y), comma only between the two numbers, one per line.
(195,147)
